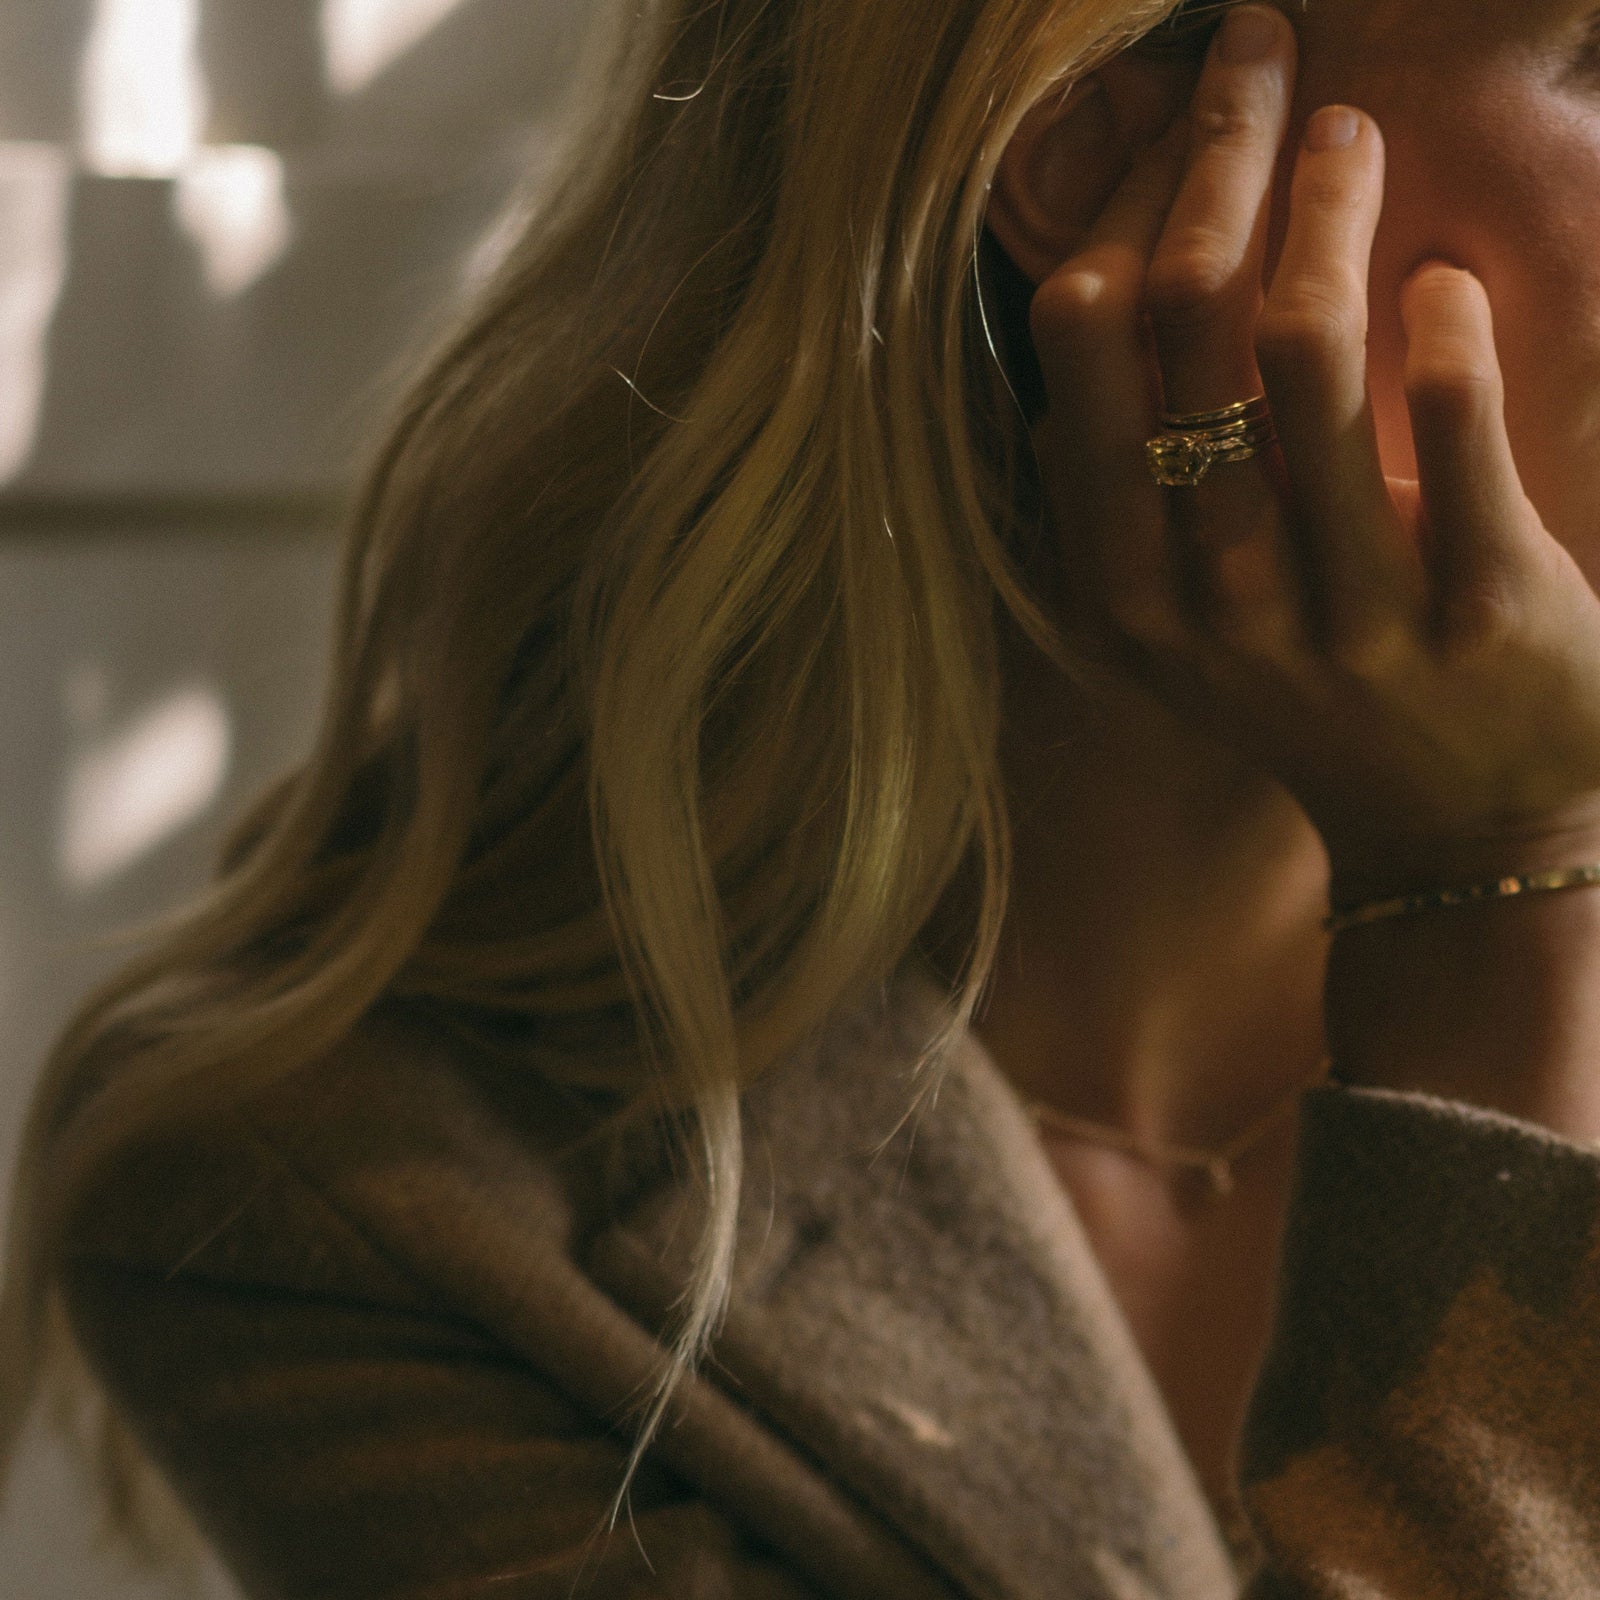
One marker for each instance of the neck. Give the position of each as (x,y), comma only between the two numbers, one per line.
(1162,963)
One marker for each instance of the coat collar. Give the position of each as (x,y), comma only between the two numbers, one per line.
(916,1307)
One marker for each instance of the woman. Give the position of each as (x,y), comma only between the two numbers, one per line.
(603,995)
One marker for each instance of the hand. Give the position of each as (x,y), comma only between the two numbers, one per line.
(1418,663)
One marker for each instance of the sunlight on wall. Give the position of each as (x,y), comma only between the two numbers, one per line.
(144,110)
(142,94)
(230,202)
(131,790)
(35,183)
(361,38)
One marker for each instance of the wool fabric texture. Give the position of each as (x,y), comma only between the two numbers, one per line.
(384,1327)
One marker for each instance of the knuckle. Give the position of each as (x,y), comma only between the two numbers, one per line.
(1372,650)
(1451,382)
(1188,280)
(1078,300)
(1226,125)
(1313,323)
(1324,187)
(1478,621)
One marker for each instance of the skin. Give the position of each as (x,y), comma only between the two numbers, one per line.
(1491,117)
(1181,827)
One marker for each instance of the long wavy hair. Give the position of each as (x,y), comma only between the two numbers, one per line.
(664,704)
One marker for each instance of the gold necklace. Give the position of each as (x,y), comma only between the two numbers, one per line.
(1216,1164)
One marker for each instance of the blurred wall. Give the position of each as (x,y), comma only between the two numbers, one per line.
(223,224)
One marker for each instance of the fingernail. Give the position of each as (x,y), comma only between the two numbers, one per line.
(1332,128)
(1248,34)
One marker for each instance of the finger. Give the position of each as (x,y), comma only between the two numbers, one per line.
(1088,328)
(1203,292)
(1111,266)
(1311,345)
(1204,284)
(1472,496)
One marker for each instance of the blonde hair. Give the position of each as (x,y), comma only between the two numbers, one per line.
(665,697)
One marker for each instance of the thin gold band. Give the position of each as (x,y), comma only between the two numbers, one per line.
(1499,889)
(1202,421)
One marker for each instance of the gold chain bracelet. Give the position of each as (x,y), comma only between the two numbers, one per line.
(1499,889)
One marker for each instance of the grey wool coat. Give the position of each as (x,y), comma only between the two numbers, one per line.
(382,1331)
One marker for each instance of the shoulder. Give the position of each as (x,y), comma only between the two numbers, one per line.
(409,1162)
(911,1297)
(349,1322)
(315,1183)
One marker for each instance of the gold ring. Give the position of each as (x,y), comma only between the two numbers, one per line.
(1189,446)
(1256,410)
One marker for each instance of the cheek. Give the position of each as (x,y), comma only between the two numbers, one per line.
(1509,188)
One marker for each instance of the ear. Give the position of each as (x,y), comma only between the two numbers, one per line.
(1072,150)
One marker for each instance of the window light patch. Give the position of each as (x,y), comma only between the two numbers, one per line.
(230,202)
(135,788)
(143,97)
(361,39)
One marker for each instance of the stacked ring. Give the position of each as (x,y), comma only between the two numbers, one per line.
(1189,446)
